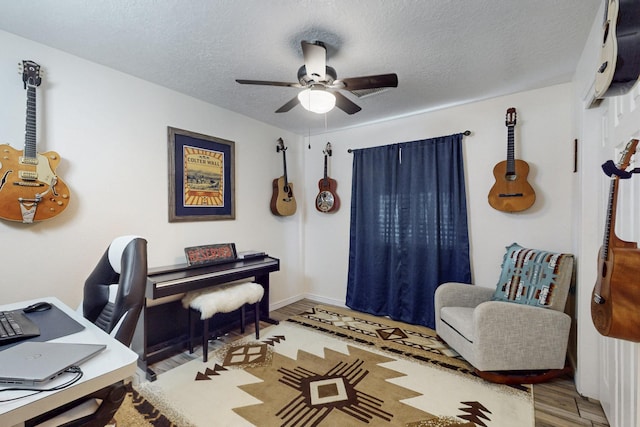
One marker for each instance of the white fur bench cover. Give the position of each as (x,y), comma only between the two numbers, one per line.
(223,298)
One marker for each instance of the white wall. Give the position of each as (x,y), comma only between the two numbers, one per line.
(111,131)
(542,138)
(588,211)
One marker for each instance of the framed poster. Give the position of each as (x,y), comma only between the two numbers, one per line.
(201,177)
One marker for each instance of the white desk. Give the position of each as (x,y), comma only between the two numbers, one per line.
(114,364)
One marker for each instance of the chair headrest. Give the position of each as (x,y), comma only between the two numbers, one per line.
(116,248)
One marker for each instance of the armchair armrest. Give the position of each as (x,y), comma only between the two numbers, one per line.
(454,294)
(515,336)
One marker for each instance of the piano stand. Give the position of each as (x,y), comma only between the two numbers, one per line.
(160,331)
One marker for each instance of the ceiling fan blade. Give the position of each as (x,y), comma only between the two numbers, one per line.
(315,59)
(369,82)
(289,105)
(345,104)
(267,83)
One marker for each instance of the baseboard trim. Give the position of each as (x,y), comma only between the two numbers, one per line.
(317,298)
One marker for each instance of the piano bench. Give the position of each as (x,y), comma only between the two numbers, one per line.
(221,299)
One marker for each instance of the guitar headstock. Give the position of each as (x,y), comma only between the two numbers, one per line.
(280,147)
(510,120)
(629,151)
(327,149)
(31,74)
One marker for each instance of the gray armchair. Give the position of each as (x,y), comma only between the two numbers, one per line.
(521,325)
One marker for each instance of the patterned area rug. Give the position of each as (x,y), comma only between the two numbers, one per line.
(311,371)
(418,342)
(136,411)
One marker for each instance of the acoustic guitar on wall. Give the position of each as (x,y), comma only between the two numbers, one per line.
(327,199)
(283,202)
(30,190)
(619,60)
(615,300)
(511,191)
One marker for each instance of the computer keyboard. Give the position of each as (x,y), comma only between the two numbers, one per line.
(14,325)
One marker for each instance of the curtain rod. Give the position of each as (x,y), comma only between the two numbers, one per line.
(465,133)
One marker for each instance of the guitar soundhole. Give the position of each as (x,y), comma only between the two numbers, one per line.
(511,177)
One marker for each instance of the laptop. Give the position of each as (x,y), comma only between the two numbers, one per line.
(35,363)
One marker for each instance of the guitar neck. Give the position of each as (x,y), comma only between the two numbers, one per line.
(325,168)
(284,163)
(611,220)
(511,164)
(610,226)
(30,127)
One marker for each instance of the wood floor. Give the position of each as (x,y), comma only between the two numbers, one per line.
(557,403)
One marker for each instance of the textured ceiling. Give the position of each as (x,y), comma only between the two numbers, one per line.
(445,52)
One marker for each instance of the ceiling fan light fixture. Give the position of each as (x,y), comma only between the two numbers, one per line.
(317,100)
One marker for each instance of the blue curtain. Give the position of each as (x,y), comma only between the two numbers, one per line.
(408,227)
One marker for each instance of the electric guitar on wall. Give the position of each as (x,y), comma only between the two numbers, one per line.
(30,191)
(511,191)
(327,199)
(283,203)
(619,60)
(615,302)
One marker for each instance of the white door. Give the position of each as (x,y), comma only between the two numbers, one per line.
(619,360)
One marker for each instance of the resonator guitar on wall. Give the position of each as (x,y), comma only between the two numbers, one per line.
(327,200)
(30,190)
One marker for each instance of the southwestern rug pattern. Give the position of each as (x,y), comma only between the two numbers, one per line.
(136,411)
(413,341)
(300,375)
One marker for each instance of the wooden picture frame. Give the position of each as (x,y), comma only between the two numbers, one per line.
(201,177)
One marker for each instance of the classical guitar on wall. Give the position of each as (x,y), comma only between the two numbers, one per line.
(30,190)
(283,202)
(615,302)
(327,199)
(619,60)
(511,191)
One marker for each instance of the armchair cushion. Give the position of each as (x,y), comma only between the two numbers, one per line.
(531,277)
(460,319)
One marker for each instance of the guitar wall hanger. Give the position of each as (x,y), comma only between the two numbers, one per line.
(610,168)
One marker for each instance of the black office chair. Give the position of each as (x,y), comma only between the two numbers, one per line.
(113,299)
(124,263)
